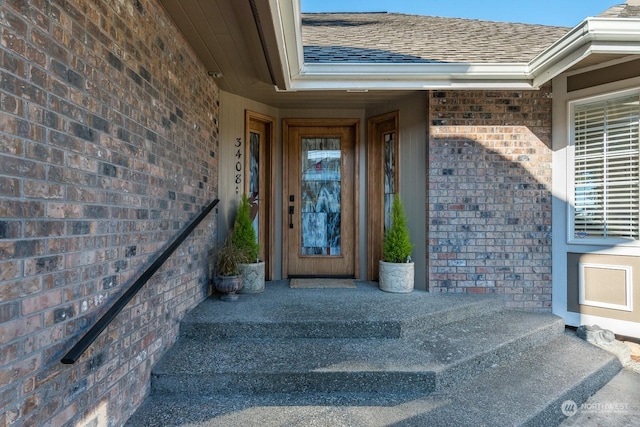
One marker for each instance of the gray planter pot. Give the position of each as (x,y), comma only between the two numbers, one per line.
(228,286)
(253,277)
(396,277)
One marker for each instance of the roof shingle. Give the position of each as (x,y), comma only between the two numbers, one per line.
(398,38)
(621,11)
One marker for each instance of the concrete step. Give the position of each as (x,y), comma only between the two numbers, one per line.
(364,312)
(526,390)
(361,357)
(424,360)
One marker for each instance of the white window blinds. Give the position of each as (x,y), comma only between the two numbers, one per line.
(606,199)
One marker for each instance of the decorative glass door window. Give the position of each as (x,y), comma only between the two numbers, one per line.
(321,189)
(254,178)
(389,176)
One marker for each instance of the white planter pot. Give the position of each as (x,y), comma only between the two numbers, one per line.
(396,277)
(252,277)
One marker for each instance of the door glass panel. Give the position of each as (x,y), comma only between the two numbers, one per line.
(254,178)
(320,198)
(389,176)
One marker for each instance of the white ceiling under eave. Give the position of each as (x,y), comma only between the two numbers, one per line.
(257,46)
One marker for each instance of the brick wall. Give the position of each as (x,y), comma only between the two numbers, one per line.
(489,196)
(108,146)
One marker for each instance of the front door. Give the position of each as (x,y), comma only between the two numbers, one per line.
(319,197)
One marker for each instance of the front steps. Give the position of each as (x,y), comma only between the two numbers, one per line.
(361,357)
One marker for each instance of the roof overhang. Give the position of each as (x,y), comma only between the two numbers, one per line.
(593,36)
(605,36)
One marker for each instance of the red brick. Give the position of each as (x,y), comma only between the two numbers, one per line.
(64,210)
(43,190)
(20,167)
(77,161)
(9,187)
(10,270)
(43,339)
(105,150)
(21,327)
(44,229)
(65,415)
(19,288)
(41,265)
(9,353)
(41,302)
(471,154)
(8,145)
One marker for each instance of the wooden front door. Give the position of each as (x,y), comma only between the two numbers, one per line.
(320,202)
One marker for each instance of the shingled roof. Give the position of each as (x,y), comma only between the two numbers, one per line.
(398,38)
(621,11)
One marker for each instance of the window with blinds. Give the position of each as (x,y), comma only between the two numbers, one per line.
(606,168)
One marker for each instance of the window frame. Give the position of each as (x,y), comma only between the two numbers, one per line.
(571,172)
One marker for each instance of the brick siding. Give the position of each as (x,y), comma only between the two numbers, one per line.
(489,195)
(108,147)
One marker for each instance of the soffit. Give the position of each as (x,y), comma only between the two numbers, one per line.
(596,59)
(226,36)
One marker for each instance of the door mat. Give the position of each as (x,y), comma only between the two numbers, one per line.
(315,283)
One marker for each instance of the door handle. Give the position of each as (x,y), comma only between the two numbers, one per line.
(290,216)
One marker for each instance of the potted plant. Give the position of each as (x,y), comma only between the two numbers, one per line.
(397,269)
(244,237)
(228,279)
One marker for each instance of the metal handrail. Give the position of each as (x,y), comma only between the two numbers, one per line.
(81,346)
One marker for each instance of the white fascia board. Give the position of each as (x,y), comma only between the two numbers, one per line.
(284,13)
(338,76)
(373,85)
(414,71)
(593,35)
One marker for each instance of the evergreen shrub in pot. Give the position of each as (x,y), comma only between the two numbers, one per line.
(244,237)
(397,271)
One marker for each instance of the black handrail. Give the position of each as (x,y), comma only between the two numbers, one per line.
(93,333)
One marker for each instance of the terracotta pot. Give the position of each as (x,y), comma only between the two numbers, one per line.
(228,286)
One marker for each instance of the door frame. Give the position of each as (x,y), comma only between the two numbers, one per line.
(378,126)
(290,123)
(266,239)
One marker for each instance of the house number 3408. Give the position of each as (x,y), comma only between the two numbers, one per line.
(238,171)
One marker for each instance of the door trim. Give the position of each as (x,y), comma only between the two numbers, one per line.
(267,243)
(286,125)
(378,126)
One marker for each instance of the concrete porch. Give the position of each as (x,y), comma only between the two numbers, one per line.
(362,357)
